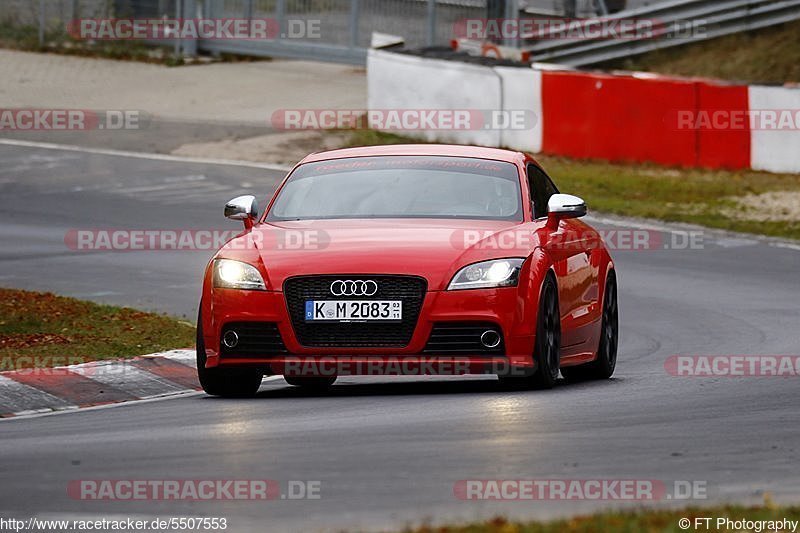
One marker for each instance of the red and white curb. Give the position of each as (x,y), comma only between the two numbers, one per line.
(47,390)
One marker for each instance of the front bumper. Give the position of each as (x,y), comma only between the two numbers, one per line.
(506,308)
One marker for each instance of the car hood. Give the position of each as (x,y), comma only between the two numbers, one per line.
(434,249)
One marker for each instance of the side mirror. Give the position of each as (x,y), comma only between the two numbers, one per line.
(243,208)
(565,206)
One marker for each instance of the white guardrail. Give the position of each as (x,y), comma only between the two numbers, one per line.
(710,19)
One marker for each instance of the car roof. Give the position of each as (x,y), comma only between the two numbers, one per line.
(452,150)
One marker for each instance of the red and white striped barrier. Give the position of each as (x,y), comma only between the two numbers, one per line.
(635,117)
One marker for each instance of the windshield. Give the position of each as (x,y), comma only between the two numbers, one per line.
(401,187)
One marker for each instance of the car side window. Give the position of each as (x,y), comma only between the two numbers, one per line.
(542,188)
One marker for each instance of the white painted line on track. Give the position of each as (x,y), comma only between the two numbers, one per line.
(142,155)
(24,415)
(635,224)
(187,357)
(721,237)
(787,245)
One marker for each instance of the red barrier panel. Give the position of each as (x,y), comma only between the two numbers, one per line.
(619,118)
(723,126)
(624,118)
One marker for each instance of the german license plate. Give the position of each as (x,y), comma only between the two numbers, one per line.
(354,310)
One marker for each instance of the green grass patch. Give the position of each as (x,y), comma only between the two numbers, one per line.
(42,329)
(640,521)
(20,37)
(769,55)
(27,38)
(697,196)
(368,137)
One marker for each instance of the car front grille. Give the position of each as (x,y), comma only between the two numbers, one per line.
(256,339)
(462,338)
(409,289)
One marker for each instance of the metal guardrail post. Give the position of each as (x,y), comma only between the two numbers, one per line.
(511,13)
(248,9)
(570,8)
(189,12)
(280,16)
(355,8)
(41,22)
(248,15)
(178,15)
(431,22)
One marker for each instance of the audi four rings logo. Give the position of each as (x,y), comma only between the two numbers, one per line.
(354,287)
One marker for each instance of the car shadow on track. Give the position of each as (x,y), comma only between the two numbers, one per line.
(344,388)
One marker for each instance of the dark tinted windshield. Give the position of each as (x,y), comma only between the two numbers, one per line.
(401,187)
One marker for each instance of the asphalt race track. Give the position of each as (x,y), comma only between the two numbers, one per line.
(388,451)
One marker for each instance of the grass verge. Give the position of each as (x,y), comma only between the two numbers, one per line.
(742,200)
(42,330)
(660,521)
(27,38)
(769,55)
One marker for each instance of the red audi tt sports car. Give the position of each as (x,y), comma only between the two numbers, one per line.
(409,259)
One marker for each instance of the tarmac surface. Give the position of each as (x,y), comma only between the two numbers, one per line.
(389,451)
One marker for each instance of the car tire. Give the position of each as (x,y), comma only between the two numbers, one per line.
(602,367)
(311,382)
(547,348)
(225,382)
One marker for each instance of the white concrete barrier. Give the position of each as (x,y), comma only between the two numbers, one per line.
(399,81)
(775,149)
(522,91)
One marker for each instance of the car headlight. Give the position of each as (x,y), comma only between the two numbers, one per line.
(487,274)
(230,274)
